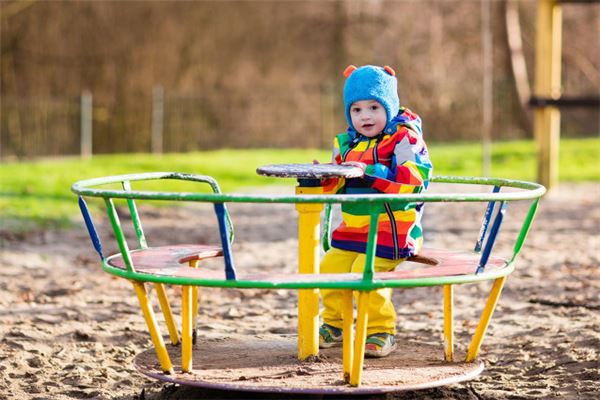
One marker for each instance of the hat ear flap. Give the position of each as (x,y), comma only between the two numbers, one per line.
(389,70)
(349,70)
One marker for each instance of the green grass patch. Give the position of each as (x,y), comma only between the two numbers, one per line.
(578,160)
(38,193)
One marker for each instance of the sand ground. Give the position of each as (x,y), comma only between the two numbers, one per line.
(71,331)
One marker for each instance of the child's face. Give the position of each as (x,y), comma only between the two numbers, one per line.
(368,117)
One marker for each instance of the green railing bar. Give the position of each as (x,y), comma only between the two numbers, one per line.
(105,180)
(326,239)
(524,229)
(337,198)
(369,268)
(358,284)
(135,218)
(116,225)
(533,191)
(205,178)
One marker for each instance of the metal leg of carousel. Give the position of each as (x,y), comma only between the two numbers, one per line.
(157,340)
(194,314)
(484,321)
(362,319)
(195,306)
(189,310)
(308,263)
(186,328)
(347,343)
(168,314)
(448,322)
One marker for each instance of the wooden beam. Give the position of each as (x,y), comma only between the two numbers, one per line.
(547,85)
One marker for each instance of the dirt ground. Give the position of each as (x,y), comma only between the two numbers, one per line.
(68,330)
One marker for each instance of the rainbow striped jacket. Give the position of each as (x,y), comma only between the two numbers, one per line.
(397,162)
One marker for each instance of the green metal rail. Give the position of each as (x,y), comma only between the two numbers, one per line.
(84,188)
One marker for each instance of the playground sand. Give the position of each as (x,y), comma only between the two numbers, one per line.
(68,330)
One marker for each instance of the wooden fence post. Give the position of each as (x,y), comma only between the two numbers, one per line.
(547,85)
(86,125)
(488,75)
(327,115)
(158,107)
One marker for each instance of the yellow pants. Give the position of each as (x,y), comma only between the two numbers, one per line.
(382,316)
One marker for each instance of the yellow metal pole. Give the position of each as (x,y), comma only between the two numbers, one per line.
(347,343)
(362,319)
(195,303)
(186,328)
(157,340)
(308,263)
(449,322)
(484,321)
(166,310)
(547,85)
(194,310)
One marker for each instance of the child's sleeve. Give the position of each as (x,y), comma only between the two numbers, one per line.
(410,169)
(333,185)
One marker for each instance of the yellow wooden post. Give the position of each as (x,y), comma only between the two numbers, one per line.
(448,322)
(547,85)
(347,343)
(166,310)
(308,263)
(362,319)
(157,340)
(484,321)
(186,328)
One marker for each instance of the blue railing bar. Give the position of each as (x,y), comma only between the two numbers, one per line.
(489,244)
(486,221)
(221,212)
(90,227)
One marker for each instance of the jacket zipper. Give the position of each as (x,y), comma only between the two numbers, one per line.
(375,156)
(387,207)
(390,214)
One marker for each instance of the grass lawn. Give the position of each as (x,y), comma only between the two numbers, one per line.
(37,193)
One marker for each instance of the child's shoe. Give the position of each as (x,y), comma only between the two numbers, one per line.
(329,336)
(380,345)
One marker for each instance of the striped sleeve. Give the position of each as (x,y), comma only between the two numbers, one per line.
(333,185)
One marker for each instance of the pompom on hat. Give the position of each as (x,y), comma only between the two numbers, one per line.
(371,82)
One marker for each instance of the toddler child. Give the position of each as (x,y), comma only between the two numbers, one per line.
(386,141)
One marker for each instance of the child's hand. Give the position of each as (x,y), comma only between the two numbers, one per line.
(358,164)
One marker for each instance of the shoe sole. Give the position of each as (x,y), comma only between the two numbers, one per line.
(379,354)
(325,345)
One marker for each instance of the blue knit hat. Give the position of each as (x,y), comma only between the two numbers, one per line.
(371,83)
